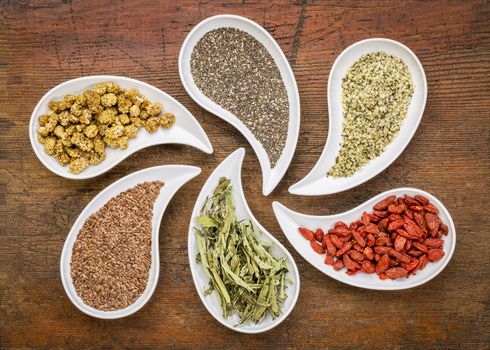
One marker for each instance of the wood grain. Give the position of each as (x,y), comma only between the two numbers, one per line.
(43,43)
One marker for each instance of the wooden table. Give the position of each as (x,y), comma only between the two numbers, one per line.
(43,43)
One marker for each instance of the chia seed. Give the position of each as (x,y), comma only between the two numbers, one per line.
(236,71)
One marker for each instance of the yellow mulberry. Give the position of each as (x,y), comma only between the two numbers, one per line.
(59,131)
(91,131)
(49,144)
(100,89)
(134,111)
(130,130)
(107,116)
(93,101)
(78,164)
(114,132)
(42,131)
(43,119)
(137,122)
(62,158)
(151,124)
(123,104)
(68,100)
(81,141)
(112,87)
(108,100)
(144,114)
(166,120)
(123,118)
(73,152)
(86,116)
(154,109)
(76,109)
(123,142)
(99,146)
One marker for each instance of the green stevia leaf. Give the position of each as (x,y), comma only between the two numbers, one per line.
(249,281)
(207,221)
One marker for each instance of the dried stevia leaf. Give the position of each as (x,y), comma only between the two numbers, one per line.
(249,281)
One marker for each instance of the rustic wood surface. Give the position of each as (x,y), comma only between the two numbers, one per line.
(43,43)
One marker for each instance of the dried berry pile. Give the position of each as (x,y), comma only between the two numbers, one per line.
(77,129)
(397,239)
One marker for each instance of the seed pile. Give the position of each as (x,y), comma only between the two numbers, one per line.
(376,93)
(396,240)
(77,129)
(111,256)
(249,281)
(237,72)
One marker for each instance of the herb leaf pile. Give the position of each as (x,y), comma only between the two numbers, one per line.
(248,279)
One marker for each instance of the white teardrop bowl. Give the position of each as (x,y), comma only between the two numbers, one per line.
(290,221)
(271,176)
(174,177)
(231,168)
(317,182)
(186,129)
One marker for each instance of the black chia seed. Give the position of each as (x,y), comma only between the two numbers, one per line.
(236,71)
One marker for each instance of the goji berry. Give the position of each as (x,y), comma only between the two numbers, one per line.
(309,235)
(355,255)
(381,213)
(400,256)
(357,247)
(392,226)
(331,250)
(319,235)
(370,240)
(398,238)
(410,266)
(329,260)
(416,207)
(431,208)
(396,272)
(368,253)
(420,247)
(383,204)
(317,247)
(340,224)
(396,209)
(368,267)
(349,263)
(340,231)
(410,201)
(365,218)
(345,248)
(358,238)
(336,241)
(382,250)
(421,199)
(400,243)
(435,254)
(338,265)
(433,242)
(383,264)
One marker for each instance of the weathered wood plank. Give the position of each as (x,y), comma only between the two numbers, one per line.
(43,43)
